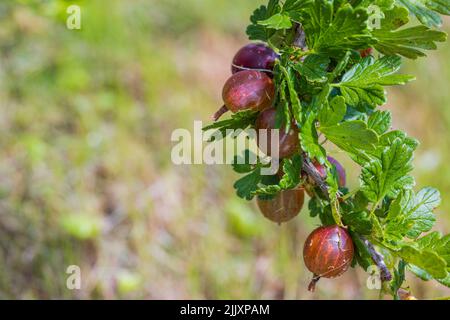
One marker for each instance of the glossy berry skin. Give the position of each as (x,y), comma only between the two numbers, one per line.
(248,90)
(328,251)
(288,142)
(284,207)
(339,169)
(254,56)
(366,52)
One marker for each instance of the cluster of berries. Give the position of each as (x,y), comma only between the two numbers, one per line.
(328,251)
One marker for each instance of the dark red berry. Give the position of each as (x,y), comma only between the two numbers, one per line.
(321,169)
(247,90)
(366,52)
(288,142)
(339,169)
(328,252)
(254,56)
(284,207)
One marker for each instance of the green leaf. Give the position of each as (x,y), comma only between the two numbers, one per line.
(427,260)
(240,120)
(399,278)
(279,21)
(380,121)
(320,98)
(364,82)
(341,66)
(293,96)
(292,171)
(360,202)
(310,140)
(242,164)
(362,254)
(248,184)
(422,274)
(333,112)
(294,8)
(359,221)
(389,174)
(315,207)
(382,4)
(351,136)
(409,42)
(256,31)
(427,11)
(314,68)
(329,31)
(388,138)
(283,114)
(436,242)
(411,214)
(291,178)
(326,216)
(429,240)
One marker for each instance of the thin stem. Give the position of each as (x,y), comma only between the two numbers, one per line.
(349,195)
(378,259)
(312,284)
(376,222)
(219,113)
(312,172)
(252,69)
(374,208)
(315,176)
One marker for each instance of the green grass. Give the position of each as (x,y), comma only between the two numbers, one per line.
(85,170)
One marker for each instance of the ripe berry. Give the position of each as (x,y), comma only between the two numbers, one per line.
(288,142)
(366,52)
(284,207)
(254,56)
(339,169)
(328,252)
(247,90)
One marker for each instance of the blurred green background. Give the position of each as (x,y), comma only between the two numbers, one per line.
(85,172)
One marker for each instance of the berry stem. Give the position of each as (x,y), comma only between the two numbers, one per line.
(220,112)
(312,284)
(312,172)
(349,195)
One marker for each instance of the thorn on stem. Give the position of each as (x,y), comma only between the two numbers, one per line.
(220,112)
(312,284)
